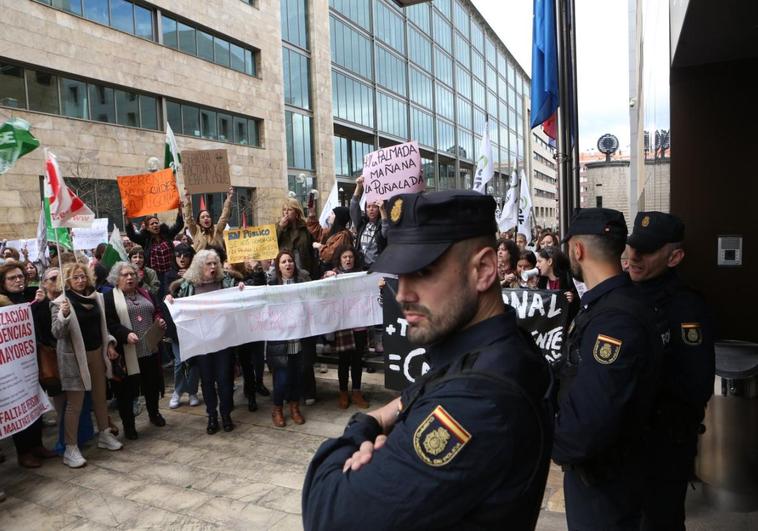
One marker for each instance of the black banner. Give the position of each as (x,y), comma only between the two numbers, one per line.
(541,312)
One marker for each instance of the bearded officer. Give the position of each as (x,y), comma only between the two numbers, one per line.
(655,251)
(466,446)
(608,384)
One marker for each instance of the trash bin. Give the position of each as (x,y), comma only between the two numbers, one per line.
(727,461)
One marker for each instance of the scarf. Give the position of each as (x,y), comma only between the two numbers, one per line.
(130,351)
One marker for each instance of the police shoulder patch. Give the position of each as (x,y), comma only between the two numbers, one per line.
(606,349)
(439,438)
(692,334)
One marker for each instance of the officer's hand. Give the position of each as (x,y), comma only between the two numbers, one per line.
(387,415)
(364,454)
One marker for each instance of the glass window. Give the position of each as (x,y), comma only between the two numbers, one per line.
(174,116)
(237,57)
(43,91)
(122,15)
(421,88)
(390,71)
(355,10)
(149,111)
(208,123)
(205,45)
(225,131)
(478,94)
(12,91)
(240,131)
(350,49)
(443,66)
(127,108)
(479,119)
(298,132)
(72,6)
(491,77)
(445,101)
(419,15)
(295,22)
(463,82)
(253,131)
(419,49)
(477,36)
(74,98)
(102,103)
(392,115)
(221,56)
(443,6)
(502,62)
(502,88)
(249,63)
(422,127)
(464,112)
(389,26)
(169,32)
(341,157)
(190,120)
(477,65)
(442,32)
(96,10)
(489,48)
(186,38)
(143,23)
(445,136)
(461,18)
(462,50)
(296,79)
(352,100)
(465,142)
(492,104)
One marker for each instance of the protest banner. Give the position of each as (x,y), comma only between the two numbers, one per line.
(22,399)
(213,321)
(256,243)
(31,245)
(90,238)
(392,170)
(543,313)
(148,193)
(206,171)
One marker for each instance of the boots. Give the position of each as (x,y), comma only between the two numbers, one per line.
(297,417)
(212,425)
(344,400)
(358,399)
(277,416)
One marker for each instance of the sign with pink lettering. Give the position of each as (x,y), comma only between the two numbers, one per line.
(391,171)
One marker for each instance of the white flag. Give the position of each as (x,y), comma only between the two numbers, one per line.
(171,157)
(484,166)
(525,209)
(42,238)
(332,201)
(66,209)
(509,214)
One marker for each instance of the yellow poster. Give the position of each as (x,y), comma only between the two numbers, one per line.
(256,243)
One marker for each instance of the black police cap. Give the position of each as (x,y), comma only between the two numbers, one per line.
(652,230)
(424,225)
(597,222)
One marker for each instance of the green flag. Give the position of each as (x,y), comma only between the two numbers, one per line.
(15,142)
(61,234)
(115,251)
(171,157)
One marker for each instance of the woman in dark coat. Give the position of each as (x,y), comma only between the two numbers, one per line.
(157,241)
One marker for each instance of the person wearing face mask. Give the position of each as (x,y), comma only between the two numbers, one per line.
(350,345)
(292,234)
(148,278)
(157,242)
(202,230)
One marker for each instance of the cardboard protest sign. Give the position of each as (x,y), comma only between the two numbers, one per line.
(92,237)
(148,193)
(392,170)
(256,243)
(206,171)
(22,399)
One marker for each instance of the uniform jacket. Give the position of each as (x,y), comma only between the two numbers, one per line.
(72,357)
(145,237)
(212,237)
(468,451)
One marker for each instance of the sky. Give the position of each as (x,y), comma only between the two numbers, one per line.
(602,60)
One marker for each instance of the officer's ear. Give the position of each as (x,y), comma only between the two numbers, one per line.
(485,266)
(675,256)
(576,245)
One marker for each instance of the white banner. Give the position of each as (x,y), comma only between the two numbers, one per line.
(86,239)
(22,399)
(225,318)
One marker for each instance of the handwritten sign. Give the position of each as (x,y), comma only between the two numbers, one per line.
(22,399)
(257,243)
(31,245)
(393,170)
(92,237)
(148,193)
(206,171)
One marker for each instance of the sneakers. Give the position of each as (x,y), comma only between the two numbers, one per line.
(174,402)
(106,440)
(72,458)
(194,401)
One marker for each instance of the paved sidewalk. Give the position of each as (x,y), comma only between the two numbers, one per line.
(178,477)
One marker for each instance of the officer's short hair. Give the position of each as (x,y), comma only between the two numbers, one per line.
(607,248)
(471,245)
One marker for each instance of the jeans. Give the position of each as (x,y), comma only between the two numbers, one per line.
(251,361)
(217,378)
(186,376)
(288,383)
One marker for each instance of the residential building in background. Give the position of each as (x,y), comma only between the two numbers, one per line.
(544,185)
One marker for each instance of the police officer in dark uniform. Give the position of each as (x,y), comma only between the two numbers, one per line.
(468,445)
(655,250)
(608,382)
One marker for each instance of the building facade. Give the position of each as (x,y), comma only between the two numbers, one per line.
(544,184)
(296,91)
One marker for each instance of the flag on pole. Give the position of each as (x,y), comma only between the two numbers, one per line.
(58,236)
(525,208)
(115,251)
(42,238)
(509,213)
(545,99)
(484,166)
(331,202)
(171,157)
(66,209)
(15,142)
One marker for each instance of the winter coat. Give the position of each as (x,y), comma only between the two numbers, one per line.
(298,239)
(144,237)
(214,235)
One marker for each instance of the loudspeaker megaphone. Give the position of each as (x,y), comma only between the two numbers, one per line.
(529,273)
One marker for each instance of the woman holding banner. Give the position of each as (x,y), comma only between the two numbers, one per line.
(292,234)
(85,351)
(204,275)
(28,442)
(204,233)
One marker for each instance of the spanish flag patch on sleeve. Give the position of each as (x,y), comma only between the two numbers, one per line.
(439,438)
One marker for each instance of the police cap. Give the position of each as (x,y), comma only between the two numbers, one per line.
(597,222)
(422,226)
(653,230)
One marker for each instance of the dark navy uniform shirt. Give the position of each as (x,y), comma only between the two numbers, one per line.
(462,451)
